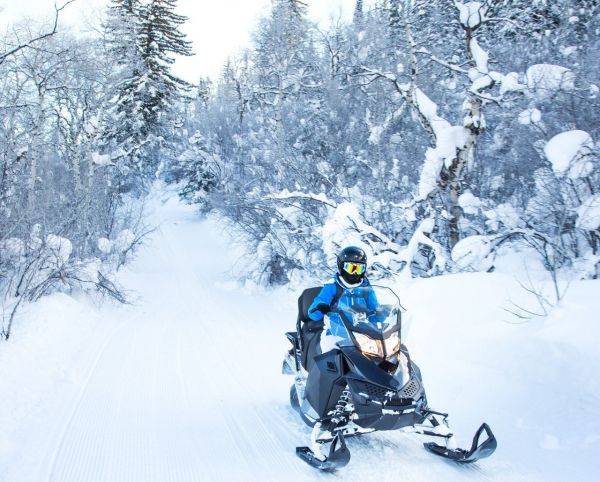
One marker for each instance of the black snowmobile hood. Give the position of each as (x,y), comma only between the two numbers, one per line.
(363,369)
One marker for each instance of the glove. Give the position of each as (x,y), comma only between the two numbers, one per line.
(314,326)
(323,308)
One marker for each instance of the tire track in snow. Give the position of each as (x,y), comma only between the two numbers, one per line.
(87,451)
(259,436)
(81,430)
(79,398)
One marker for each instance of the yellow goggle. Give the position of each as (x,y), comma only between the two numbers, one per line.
(354,268)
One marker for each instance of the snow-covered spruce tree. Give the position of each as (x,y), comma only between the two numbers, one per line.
(141,121)
(120,31)
(358,12)
(196,165)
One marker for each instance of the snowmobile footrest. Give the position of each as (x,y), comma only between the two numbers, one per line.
(338,457)
(477,451)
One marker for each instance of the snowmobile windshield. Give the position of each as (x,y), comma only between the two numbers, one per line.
(374,311)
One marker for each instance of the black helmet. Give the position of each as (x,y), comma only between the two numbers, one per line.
(353,273)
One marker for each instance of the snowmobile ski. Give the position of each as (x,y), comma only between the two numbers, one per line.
(477,451)
(338,457)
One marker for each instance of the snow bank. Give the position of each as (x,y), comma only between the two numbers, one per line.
(567,153)
(43,366)
(535,383)
(472,252)
(117,394)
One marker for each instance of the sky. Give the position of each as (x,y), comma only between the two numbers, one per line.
(218,28)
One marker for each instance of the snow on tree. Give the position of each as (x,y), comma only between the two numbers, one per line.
(544,80)
(530,116)
(588,214)
(473,252)
(139,125)
(104,245)
(472,14)
(61,249)
(469,203)
(570,153)
(59,189)
(415,126)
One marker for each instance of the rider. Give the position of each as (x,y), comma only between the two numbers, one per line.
(352,268)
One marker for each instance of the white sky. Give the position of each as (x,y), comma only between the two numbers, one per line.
(218,28)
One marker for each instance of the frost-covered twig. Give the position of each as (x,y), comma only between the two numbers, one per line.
(321,198)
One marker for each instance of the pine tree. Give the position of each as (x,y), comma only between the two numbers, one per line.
(297,7)
(394,14)
(358,12)
(121,31)
(395,27)
(139,126)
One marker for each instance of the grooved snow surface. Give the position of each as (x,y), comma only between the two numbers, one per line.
(185,384)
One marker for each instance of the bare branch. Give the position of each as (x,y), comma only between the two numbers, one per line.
(30,43)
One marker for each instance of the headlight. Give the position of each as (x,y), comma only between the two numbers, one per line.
(369,346)
(392,344)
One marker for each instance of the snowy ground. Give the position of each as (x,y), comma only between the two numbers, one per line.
(185,384)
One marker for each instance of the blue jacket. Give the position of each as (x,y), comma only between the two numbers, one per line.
(328,294)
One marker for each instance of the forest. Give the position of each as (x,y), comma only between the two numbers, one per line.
(437,134)
(431,168)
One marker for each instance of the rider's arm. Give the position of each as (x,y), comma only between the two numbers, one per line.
(372,302)
(323,299)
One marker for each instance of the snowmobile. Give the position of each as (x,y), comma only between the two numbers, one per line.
(367,382)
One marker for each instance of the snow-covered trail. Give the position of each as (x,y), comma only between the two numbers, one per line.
(185,385)
(191,389)
(170,396)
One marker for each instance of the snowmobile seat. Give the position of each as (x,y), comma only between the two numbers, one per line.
(306,327)
(304,302)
